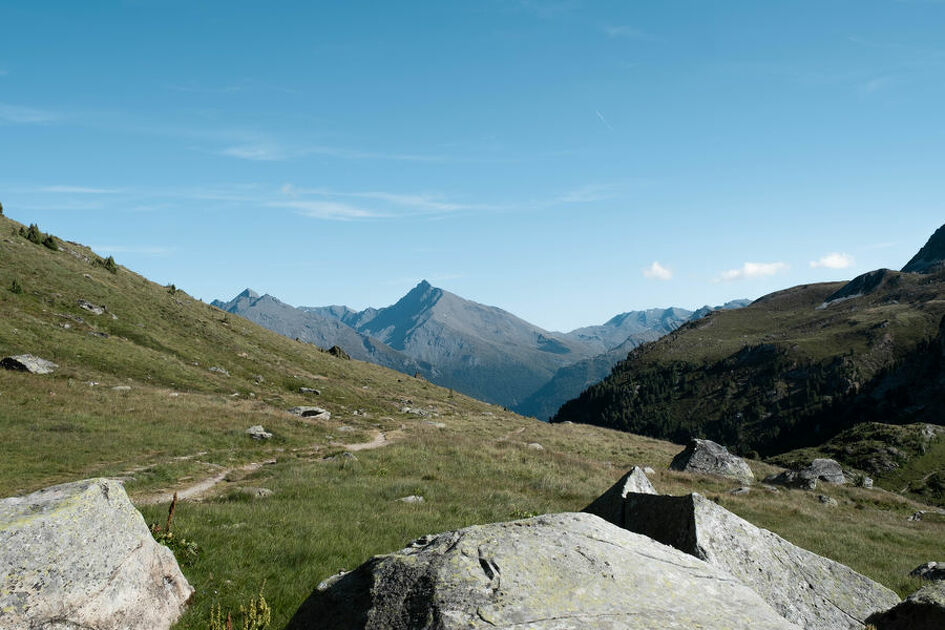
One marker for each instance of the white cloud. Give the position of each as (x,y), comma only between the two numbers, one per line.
(752,270)
(256,152)
(657,271)
(327,210)
(834,260)
(25,115)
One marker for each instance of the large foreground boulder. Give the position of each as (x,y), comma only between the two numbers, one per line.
(708,458)
(610,506)
(812,591)
(80,556)
(553,572)
(923,610)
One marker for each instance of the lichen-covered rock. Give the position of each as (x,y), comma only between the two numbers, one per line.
(28,363)
(923,610)
(708,458)
(812,591)
(553,572)
(79,555)
(258,432)
(610,506)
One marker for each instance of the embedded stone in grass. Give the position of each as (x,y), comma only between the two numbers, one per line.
(256,493)
(309,390)
(535,446)
(312,413)
(257,432)
(929,571)
(92,308)
(413,498)
(829,501)
(218,370)
(122,388)
(28,363)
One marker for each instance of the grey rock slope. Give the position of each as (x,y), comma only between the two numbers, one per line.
(621,327)
(319,329)
(553,572)
(812,591)
(931,257)
(79,555)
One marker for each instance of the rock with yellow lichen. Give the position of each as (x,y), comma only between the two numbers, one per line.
(79,555)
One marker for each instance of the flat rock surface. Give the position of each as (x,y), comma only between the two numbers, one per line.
(814,592)
(28,363)
(708,458)
(80,556)
(552,572)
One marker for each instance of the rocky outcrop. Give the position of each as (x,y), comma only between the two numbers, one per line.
(28,363)
(807,477)
(929,571)
(814,592)
(923,610)
(610,506)
(553,572)
(79,555)
(931,257)
(708,458)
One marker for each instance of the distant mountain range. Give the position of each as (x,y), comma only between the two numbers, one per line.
(479,350)
(793,369)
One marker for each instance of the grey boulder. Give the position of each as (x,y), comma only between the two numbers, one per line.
(929,571)
(610,506)
(708,458)
(923,610)
(313,413)
(28,363)
(257,432)
(79,555)
(812,591)
(92,308)
(552,572)
(807,477)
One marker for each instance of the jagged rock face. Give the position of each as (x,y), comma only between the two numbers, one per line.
(931,257)
(708,458)
(814,592)
(553,572)
(611,505)
(79,555)
(923,610)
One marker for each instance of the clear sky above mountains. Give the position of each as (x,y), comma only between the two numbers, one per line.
(563,160)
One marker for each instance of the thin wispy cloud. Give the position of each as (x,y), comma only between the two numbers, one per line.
(17,114)
(256,152)
(603,120)
(751,270)
(834,260)
(656,271)
(77,190)
(330,210)
(624,31)
(875,85)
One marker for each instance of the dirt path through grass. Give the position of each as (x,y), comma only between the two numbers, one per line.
(199,489)
(380,440)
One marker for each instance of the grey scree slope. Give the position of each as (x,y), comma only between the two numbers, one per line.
(79,555)
(552,572)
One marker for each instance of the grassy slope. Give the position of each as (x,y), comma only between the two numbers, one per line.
(324,515)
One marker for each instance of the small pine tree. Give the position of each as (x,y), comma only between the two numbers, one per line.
(16,287)
(110,265)
(50,242)
(1,209)
(34,235)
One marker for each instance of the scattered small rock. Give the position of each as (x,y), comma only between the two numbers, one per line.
(346,429)
(28,363)
(259,378)
(740,490)
(535,446)
(95,333)
(92,308)
(823,498)
(218,370)
(256,493)
(122,388)
(438,425)
(916,516)
(313,413)
(648,470)
(929,571)
(257,432)
(310,390)
(413,498)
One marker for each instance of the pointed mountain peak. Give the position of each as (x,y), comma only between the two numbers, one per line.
(248,293)
(931,257)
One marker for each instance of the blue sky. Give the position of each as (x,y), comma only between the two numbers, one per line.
(563,160)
